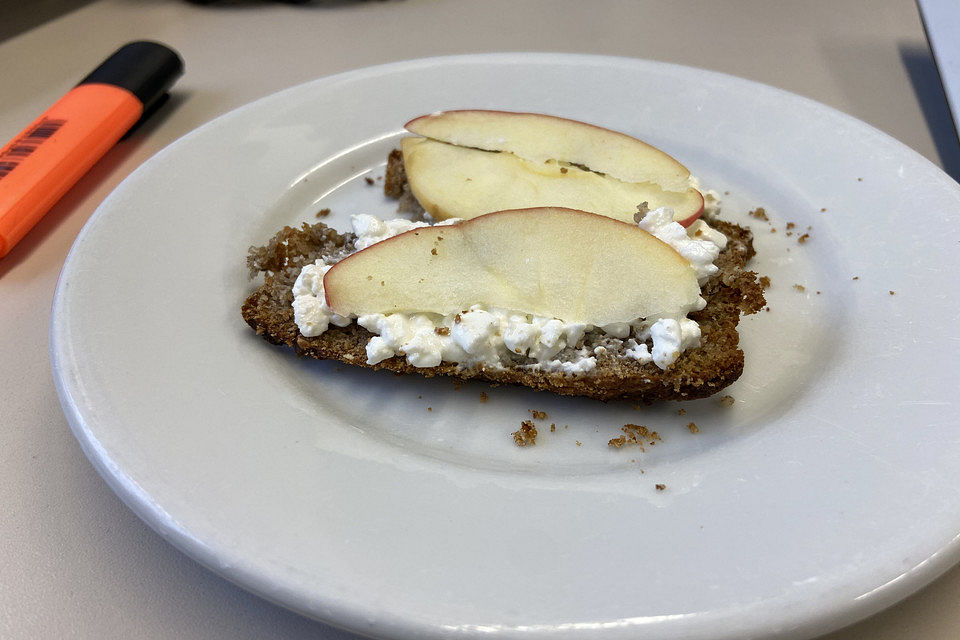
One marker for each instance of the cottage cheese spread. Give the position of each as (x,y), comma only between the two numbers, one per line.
(493,337)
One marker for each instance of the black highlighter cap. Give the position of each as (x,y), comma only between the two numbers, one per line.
(145,69)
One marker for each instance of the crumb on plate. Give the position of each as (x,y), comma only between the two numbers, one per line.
(526,435)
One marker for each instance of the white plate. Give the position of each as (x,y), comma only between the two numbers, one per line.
(828,491)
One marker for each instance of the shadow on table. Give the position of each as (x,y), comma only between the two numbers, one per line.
(884,84)
(925,79)
(23,16)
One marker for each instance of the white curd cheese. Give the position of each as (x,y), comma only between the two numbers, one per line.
(573,367)
(371,230)
(671,338)
(493,337)
(310,310)
(701,250)
(476,336)
(637,351)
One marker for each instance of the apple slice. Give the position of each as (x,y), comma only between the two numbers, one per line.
(561,263)
(460,182)
(625,165)
(539,137)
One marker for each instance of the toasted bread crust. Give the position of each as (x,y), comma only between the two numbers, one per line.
(697,373)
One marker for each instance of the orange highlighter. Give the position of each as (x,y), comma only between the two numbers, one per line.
(38,166)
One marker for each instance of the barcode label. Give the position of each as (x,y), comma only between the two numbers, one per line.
(27,144)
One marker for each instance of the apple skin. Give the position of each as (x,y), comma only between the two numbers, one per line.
(686,222)
(540,137)
(561,263)
(689,220)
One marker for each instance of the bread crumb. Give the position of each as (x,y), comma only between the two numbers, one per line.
(538,415)
(442,331)
(640,431)
(892,293)
(859,179)
(803,239)
(642,209)
(433,251)
(483,397)
(635,434)
(617,442)
(368,179)
(553,427)
(323,213)
(579,444)
(563,169)
(760,214)
(727,401)
(526,434)
(420,397)
(681,412)
(765,282)
(790,225)
(660,487)
(823,209)
(773,230)
(566,426)
(693,428)
(856,277)
(800,288)
(429,408)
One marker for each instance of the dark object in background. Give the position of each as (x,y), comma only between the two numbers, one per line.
(244,2)
(225,2)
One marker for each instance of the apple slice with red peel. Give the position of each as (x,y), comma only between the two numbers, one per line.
(545,139)
(555,262)
(460,182)
(540,137)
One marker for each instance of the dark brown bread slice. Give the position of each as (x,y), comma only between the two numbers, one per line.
(395,184)
(697,373)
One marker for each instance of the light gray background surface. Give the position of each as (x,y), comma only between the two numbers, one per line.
(74,562)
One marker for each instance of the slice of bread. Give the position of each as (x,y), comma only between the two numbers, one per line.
(698,372)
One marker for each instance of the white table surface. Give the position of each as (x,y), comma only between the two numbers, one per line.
(74,562)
